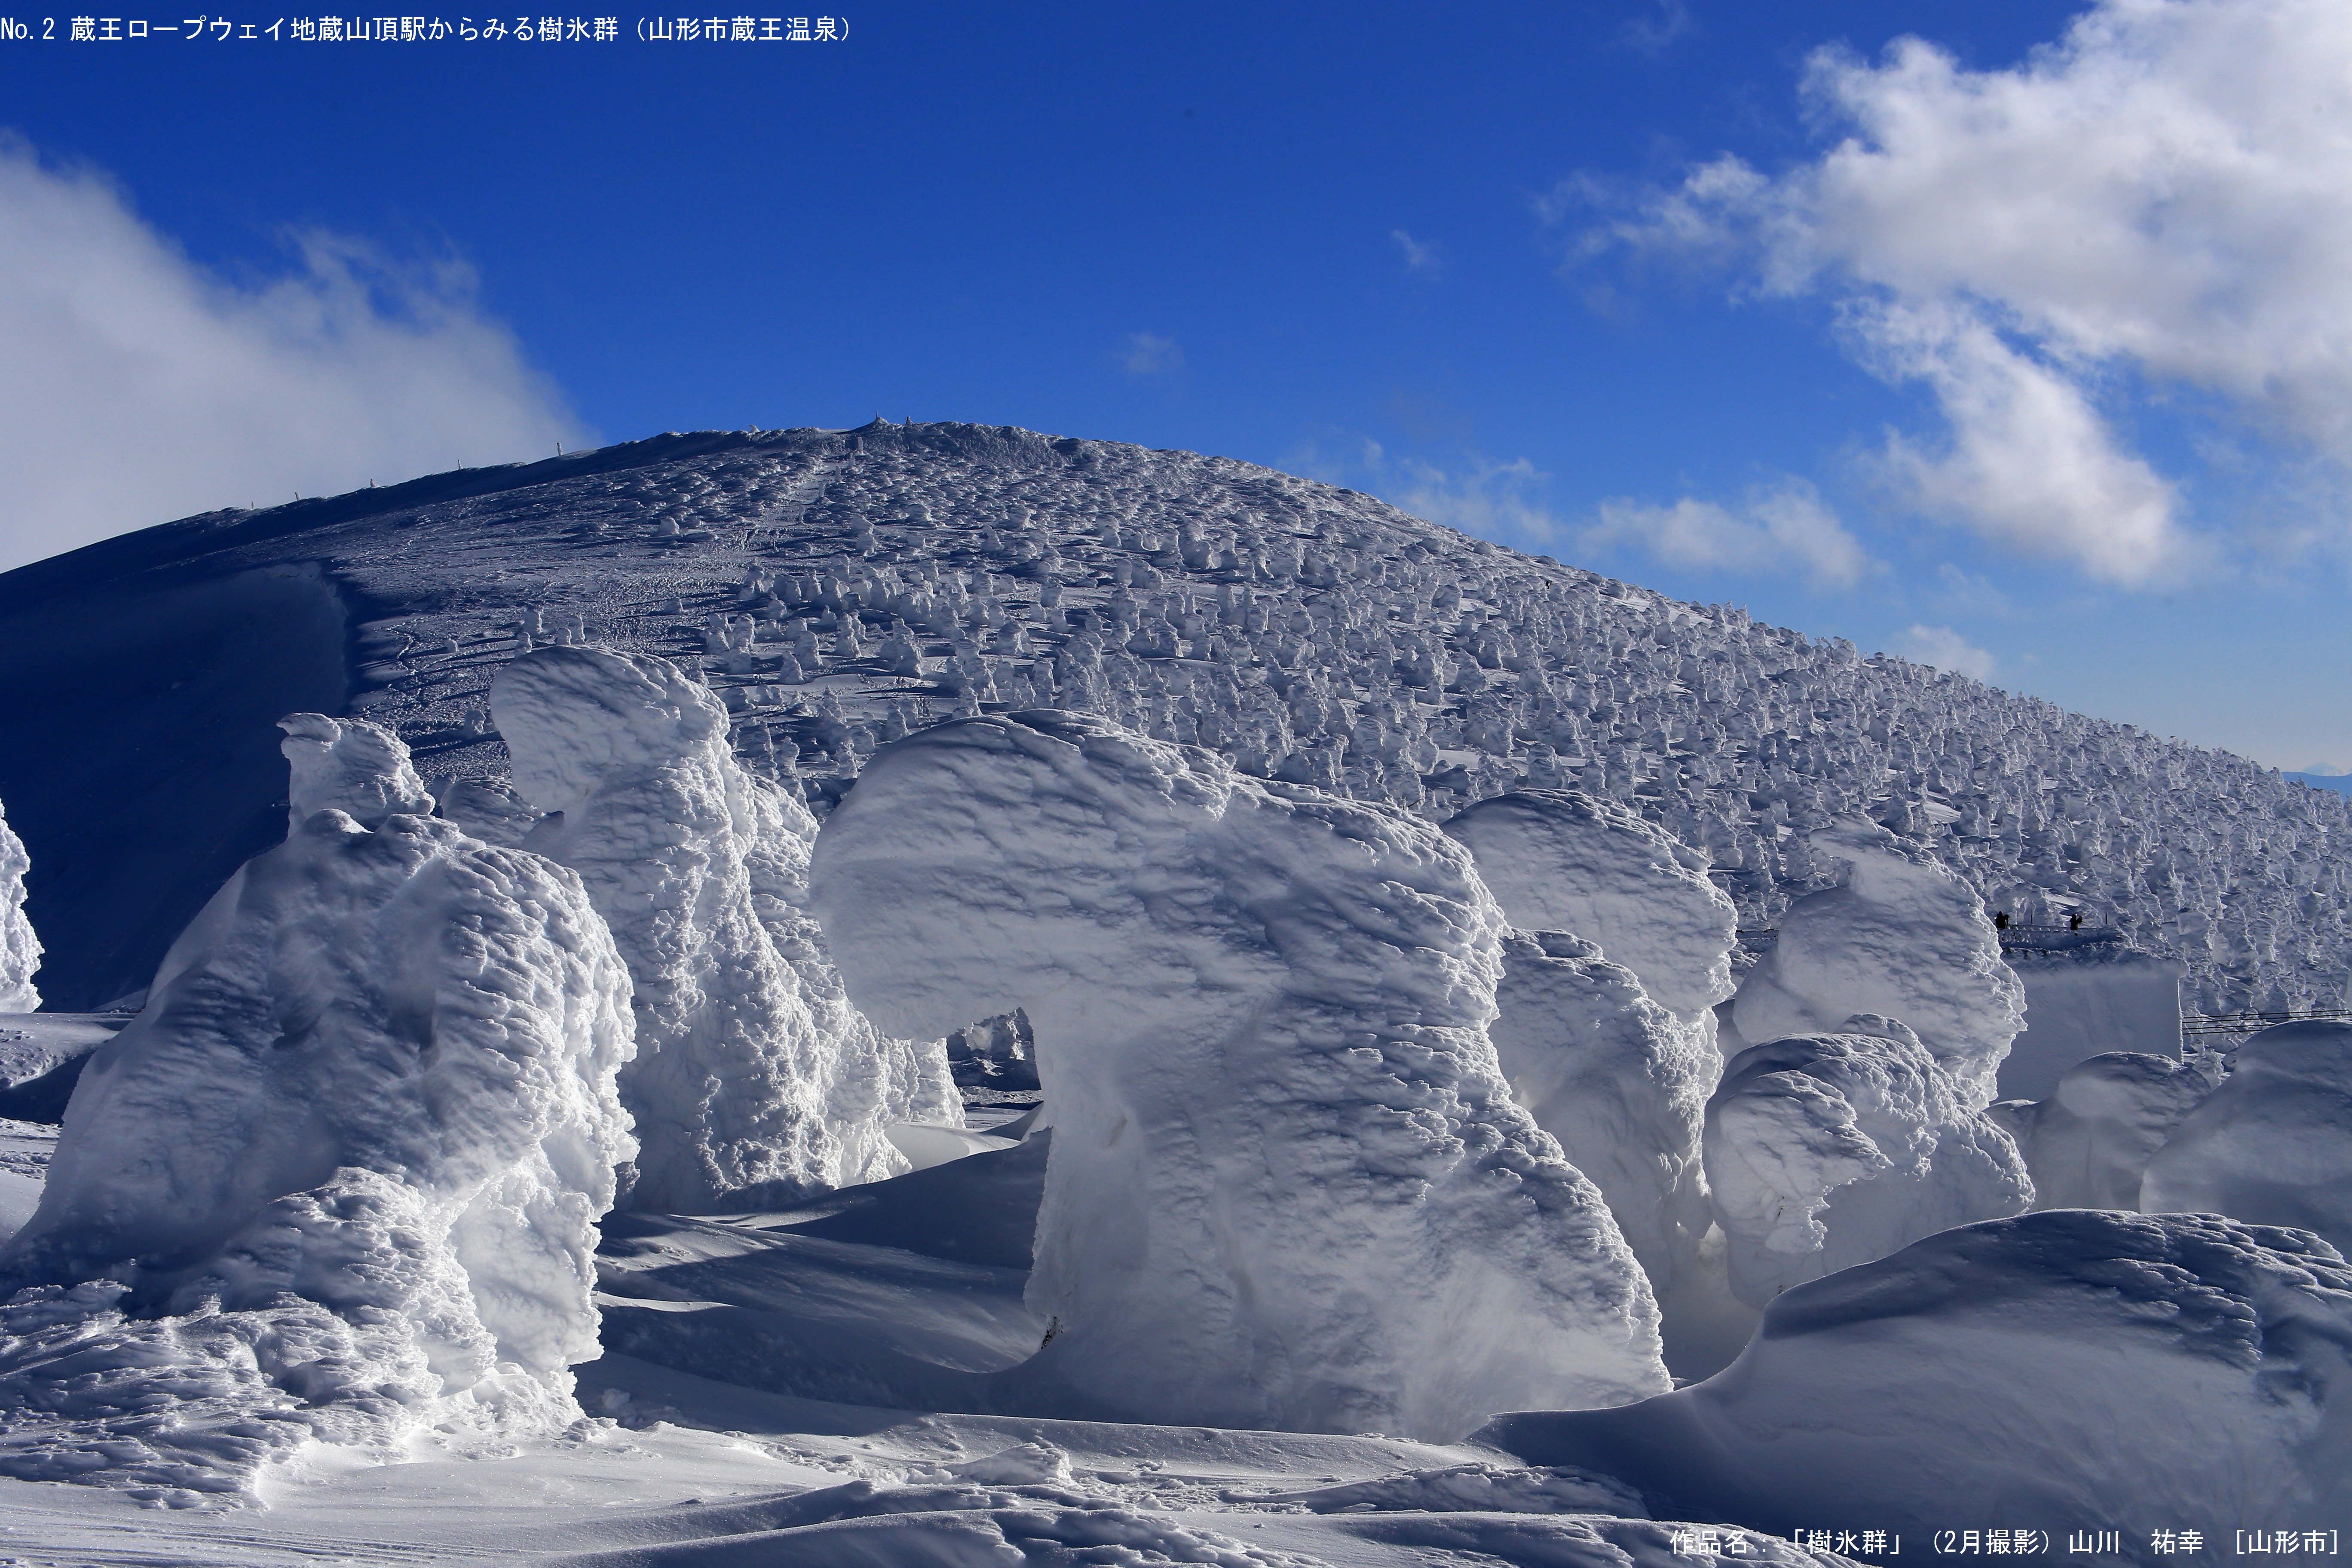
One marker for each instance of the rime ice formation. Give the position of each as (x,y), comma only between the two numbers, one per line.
(1567,861)
(1899,936)
(756,1083)
(1287,1185)
(491,813)
(347,765)
(1827,1151)
(20,950)
(2072,1365)
(2089,1143)
(341,1179)
(2272,1145)
(1618,1080)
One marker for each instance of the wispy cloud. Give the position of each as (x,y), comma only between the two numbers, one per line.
(1784,528)
(1654,24)
(136,388)
(2163,195)
(1148,353)
(1483,496)
(1970,593)
(1422,260)
(1945,650)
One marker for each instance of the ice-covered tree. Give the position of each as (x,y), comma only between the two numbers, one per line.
(20,950)
(1287,1185)
(756,1081)
(340,1178)
(1825,1150)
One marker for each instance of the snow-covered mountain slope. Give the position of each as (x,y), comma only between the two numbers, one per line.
(843,587)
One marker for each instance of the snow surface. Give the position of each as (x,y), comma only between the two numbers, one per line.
(341,1179)
(690,1472)
(756,1083)
(1899,936)
(20,950)
(1562,860)
(1287,1185)
(41,1057)
(24,1149)
(2273,1143)
(2075,1369)
(1828,1150)
(2089,1143)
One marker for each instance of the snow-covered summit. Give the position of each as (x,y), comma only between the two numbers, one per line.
(842,587)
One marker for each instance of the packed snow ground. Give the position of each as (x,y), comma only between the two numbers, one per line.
(869,1292)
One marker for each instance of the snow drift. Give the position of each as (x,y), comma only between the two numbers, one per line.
(1287,1185)
(1901,937)
(20,950)
(2273,1143)
(1827,1151)
(756,1082)
(2059,1370)
(341,1177)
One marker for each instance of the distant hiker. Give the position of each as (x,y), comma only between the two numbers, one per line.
(2074,920)
(2001,921)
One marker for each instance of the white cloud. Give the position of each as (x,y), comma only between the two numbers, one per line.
(1945,650)
(1147,353)
(2165,191)
(136,388)
(2029,462)
(1779,528)
(1422,260)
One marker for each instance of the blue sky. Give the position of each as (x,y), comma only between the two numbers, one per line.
(2025,346)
